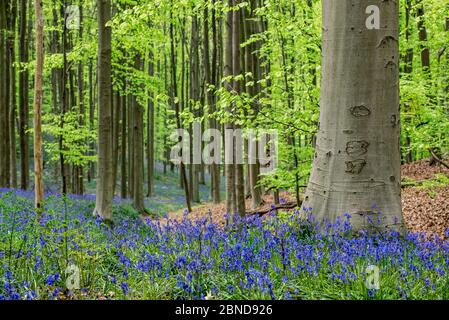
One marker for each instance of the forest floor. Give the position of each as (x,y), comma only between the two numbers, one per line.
(425,200)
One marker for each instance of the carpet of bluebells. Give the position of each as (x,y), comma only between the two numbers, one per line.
(276,257)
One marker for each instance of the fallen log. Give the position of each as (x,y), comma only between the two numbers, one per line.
(287,205)
(437,159)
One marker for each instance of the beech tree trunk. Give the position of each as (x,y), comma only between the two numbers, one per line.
(236,67)
(105,173)
(37,108)
(227,71)
(209,76)
(174,95)
(4,109)
(195,97)
(12,96)
(138,167)
(23,98)
(150,133)
(356,168)
(123,153)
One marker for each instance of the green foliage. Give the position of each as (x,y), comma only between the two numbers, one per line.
(76,139)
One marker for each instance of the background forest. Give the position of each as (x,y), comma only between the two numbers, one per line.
(173,63)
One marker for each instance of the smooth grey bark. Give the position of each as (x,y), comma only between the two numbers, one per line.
(227,71)
(175,102)
(91,169)
(104,192)
(195,96)
(150,132)
(37,109)
(236,68)
(356,168)
(123,146)
(138,154)
(209,76)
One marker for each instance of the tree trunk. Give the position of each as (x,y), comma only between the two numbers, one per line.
(13,92)
(150,132)
(356,168)
(64,100)
(115,136)
(138,166)
(425,53)
(37,108)
(176,105)
(239,173)
(408,68)
(4,110)
(81,106)
(91,169)
(105,175)
(130,147)
(194,92)
(210,80)
(123,189)
(23,98)
(228,71)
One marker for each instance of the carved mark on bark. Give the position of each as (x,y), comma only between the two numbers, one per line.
(365,213)
(386,42)
(360,111)
(355,167)
(390,65)
(357,148)
(394,120)
(348,131)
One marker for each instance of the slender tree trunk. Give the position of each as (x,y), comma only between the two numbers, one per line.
(115,135)
(176,105)
(239,172)
(252,65)
(408,68)
(23,98)
(425,53)
(91,169)
(194,89)
(13,92)
(64,99)
(37,108)
(150,132)
(105,174)
(138,166)
(210,80)
(123,189)
(228,71)
(4,110)
(81,105)
(356,168)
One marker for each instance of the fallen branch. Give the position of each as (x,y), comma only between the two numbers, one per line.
(437,159)
(288,205)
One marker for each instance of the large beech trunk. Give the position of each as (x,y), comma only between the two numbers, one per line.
(356,168)
(105,172)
